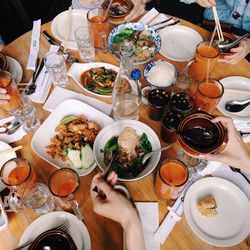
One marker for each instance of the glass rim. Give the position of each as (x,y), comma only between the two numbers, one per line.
(13,159)
(182,110)
(180,163)
(157,106)
(212,45)
(99,22)
(56,172)
(81,27)
(211,80)
(59,53)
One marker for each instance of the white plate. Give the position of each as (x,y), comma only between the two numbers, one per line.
(231,225)
(114,129)
(59,25)
(179,42)
(77,69)
(42,137)
(235,82)
(15,69)
(77,229)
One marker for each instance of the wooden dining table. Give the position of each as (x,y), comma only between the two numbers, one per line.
(104,233)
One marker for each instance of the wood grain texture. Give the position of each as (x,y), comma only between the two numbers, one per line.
(105,234)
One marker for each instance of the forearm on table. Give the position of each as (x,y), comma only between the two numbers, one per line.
(134,234)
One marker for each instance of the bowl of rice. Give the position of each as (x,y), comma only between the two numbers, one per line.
(160,74)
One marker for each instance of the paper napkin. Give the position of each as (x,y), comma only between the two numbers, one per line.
(148,212)
(216,169)
(18,135)
(43,83)
(243,126)
(59,95)
(153,17)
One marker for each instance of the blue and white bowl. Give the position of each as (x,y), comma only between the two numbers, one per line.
(167,81)
(137,27)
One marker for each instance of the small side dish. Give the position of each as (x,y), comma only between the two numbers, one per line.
(207,206)
(74,141)
(99,80)
(131,148)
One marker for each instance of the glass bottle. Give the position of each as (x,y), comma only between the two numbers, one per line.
(126,95)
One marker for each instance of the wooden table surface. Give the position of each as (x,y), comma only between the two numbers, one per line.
(104,233)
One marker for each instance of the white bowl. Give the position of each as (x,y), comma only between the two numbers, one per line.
(114,129)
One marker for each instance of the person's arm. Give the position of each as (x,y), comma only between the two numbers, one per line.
(3,97)
(235,153)
(139,9)
(118,208)
(238,53)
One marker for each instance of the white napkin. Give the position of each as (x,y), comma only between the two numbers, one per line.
(243,126)
(43,82)
(59,95)
(34,45)
(18,135)
(153,17)
(148,212)
(217,169)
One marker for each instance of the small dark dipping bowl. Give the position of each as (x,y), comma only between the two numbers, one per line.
(158,99)
(54,240)
(191,139)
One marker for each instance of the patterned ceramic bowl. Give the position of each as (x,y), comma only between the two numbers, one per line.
(145,39)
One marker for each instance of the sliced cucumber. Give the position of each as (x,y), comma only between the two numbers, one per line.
(67,119)
(87,156)
(75,157)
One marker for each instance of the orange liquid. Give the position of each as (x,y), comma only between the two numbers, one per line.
(66,188)
(205,59)
(18,175)
(170,179)
(207,96)
(100,26)
(15,97)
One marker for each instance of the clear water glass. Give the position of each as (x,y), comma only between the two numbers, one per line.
(85,43)
(38,198)
(27,115)
(55,64)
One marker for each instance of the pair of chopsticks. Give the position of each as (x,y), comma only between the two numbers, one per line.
(217,24)
(66,39)
(10,150)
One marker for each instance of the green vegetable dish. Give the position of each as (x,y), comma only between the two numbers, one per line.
(131,148)
(99,80)
(143,41)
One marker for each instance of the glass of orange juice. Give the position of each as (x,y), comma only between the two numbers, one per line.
(17,174)
(208,94)
(64,183)
(205,57)
(98,20)
(171,179)
(8,83)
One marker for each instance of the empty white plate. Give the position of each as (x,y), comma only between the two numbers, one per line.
(15,69)
(59,24)
(231,225)
(179,42)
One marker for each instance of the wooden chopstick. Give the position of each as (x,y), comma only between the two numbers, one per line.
(217,23)
(10,150)
(68,29)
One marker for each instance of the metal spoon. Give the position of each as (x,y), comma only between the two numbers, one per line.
(225,47)
(237,106)
(146,156)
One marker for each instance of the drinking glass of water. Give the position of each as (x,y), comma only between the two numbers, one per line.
(85,43)
(38,198)
(55,64)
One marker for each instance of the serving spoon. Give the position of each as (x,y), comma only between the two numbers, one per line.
(224,47)
(237,106)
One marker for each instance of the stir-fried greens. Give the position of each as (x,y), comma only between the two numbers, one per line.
(99,80)
(143,41)
(124,165)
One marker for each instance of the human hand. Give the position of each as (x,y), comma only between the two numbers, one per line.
(235,153)
(3,97)
(206,3)
(116,206)
(139,9)
(238,53)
